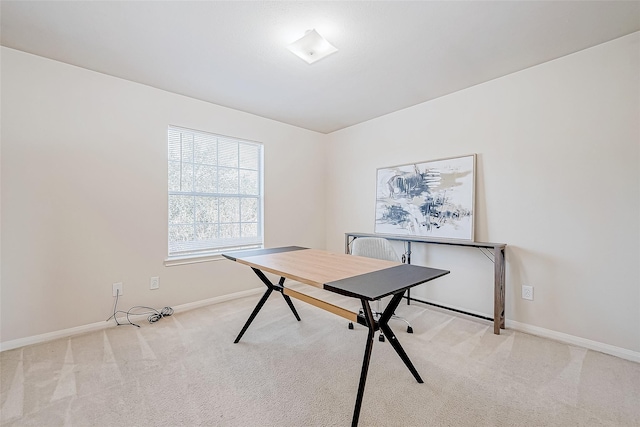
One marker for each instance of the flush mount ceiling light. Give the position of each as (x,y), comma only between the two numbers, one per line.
(312,47)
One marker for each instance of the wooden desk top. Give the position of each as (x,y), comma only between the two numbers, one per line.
(349,275)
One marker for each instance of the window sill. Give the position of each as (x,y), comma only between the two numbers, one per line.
(192,259)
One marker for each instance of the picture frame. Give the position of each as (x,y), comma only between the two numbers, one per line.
(434,199)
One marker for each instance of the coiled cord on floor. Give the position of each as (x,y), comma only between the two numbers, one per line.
(157,315)
(153,314)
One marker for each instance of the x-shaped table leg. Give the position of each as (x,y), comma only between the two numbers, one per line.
(270,288)
(383,324)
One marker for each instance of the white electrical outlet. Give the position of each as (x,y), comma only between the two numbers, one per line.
(154,283)
(527,292)
(117,289)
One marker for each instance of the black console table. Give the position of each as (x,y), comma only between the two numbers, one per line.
(498,261)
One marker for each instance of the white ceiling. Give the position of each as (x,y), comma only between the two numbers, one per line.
(392,54)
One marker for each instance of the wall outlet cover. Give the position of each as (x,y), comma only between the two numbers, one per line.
(117,289)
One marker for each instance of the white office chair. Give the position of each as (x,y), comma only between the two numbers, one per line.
(379,248)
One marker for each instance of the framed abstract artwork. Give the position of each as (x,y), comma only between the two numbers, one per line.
(435,198)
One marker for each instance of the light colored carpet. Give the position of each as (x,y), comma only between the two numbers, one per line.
(185,370)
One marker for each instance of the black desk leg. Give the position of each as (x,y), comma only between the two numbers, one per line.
(384,326)
(270,288)
(288,299)
(253,314)
(368,315)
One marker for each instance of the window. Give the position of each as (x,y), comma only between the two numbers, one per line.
(215,193)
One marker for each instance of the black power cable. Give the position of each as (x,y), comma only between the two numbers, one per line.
(153,314)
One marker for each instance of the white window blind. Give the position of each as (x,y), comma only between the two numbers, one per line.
(215,193)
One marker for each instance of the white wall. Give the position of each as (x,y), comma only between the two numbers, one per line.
(558,180)
(84,194)
(83,189)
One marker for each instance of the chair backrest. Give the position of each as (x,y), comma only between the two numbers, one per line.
(374,247)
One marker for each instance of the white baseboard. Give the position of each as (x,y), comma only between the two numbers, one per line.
(217,300)
(620,352)
(37,339)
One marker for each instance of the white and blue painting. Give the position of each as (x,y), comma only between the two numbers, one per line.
(428,199)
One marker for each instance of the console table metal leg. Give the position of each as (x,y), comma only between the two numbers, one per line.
(408,259)
(499,291)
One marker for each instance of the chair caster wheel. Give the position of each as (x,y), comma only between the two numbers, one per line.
(409,329)
(350,325)
(381,338)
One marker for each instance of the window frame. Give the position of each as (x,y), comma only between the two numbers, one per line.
(196,250)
